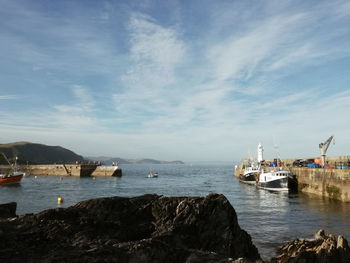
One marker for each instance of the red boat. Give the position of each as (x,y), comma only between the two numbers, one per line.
(12,178)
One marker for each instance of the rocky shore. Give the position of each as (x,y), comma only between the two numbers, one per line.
(148,228)
(323,248)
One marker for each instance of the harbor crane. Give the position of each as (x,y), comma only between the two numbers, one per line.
(323,148)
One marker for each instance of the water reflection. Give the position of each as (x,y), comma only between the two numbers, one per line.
(274,218)
(15,185)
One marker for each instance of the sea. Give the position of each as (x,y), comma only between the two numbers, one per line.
(271,218)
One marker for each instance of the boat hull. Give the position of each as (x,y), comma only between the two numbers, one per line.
(280,184)
(14,179)
(249,178)
(152,175)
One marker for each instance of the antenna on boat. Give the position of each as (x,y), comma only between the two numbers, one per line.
(275,146)
(260,153)
(7,160)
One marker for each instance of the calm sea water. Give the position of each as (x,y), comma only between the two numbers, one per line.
(270,218)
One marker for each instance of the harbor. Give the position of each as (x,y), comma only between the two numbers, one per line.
(282,216)
(326,177)
(325,182)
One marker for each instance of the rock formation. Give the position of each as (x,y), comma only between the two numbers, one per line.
(8,210)
(147,228)
(322,249)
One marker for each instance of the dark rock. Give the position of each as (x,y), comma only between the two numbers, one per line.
(148,228)
(8,210)
(324,249)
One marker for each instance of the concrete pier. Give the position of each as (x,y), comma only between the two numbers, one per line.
(329,183)
(78,170)
(107,171)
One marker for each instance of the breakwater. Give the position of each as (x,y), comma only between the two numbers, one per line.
(78,170)
(107,171)
(329,183)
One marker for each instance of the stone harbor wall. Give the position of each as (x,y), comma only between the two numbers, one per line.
(329,183)
(107,171)
(78,170)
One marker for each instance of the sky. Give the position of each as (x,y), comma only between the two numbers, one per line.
(196,80)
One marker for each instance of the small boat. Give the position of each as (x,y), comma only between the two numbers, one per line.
(12,176)
(152,175)
(275,180)
(248,171)
(250,174)
(250,168)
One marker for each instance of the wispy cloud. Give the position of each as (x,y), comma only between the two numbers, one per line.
(159,81)
(9,97)
(155,53)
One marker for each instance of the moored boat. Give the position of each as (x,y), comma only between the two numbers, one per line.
(275,180)
(12,176)
(152,175)
(272,176)
(249,169)
(250,174)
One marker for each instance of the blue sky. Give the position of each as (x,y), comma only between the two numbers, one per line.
(188,80)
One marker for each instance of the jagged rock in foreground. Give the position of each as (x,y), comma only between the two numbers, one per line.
(8,210)
(322,249)
(147,228)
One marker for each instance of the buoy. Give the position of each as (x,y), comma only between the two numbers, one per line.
(60,200)
(35,177)
(61,178)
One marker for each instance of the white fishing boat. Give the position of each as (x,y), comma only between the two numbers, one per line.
(250,168)
(275,180)
(250,174)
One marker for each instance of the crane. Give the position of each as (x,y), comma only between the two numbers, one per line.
(323,149)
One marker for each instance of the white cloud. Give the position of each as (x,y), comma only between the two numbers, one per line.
(77,115)
(213,90)
(240,56)
(155,53)
(86,100)
(8,97)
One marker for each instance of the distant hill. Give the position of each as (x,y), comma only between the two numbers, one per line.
(35,153)
(109,160)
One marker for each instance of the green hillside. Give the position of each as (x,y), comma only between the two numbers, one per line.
(34,153)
